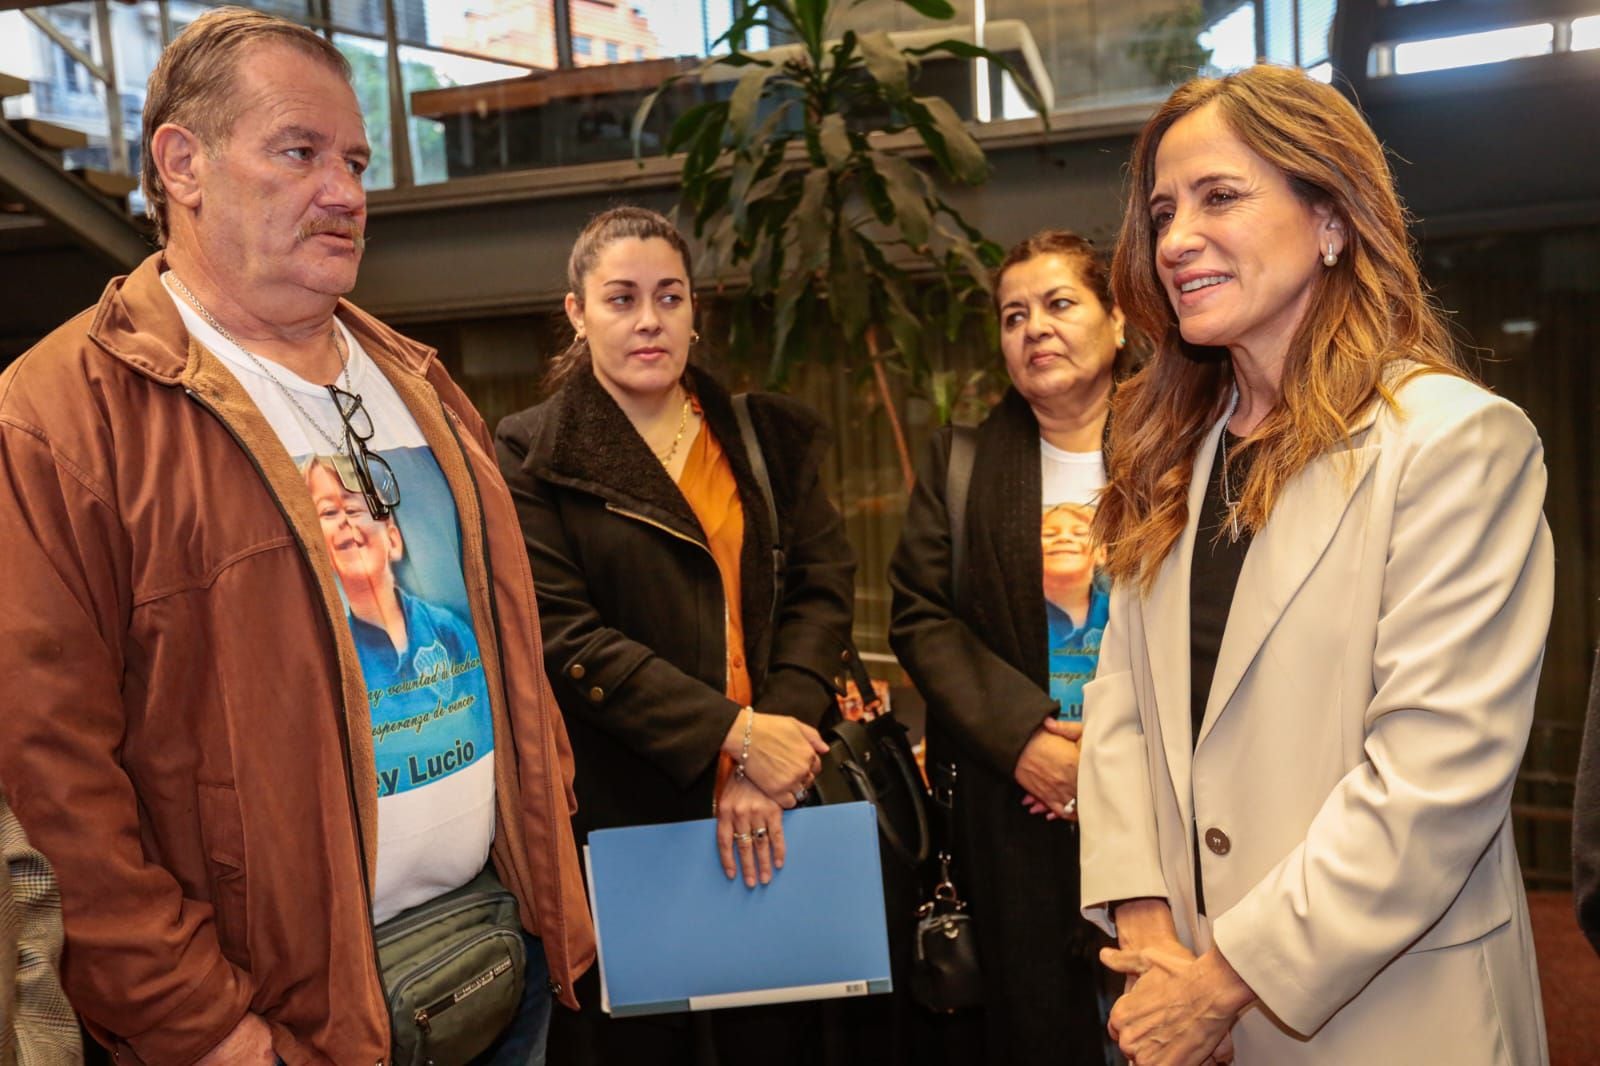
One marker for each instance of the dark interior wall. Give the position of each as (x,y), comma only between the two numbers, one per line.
(1505,146)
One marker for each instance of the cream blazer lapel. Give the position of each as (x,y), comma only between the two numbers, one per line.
(1166,621)
(1308,512)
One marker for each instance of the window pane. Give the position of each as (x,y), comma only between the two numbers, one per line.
(62,91)
(369,74)
(1316,27)
(516,31)
(422,71)
(637,30)
(1586,33)
(1279,18)
(1101,52)
(1472,49)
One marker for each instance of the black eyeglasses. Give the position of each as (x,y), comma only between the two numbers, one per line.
(364,471)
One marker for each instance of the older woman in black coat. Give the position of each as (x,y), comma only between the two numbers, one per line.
(1003,669)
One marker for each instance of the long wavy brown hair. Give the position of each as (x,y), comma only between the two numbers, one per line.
(1366,315)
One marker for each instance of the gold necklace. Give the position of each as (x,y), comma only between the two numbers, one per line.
(683,423)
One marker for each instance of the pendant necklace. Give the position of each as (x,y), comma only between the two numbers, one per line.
(1228,500)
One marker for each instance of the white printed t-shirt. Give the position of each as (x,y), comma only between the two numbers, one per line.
(1077,592)
(432,732)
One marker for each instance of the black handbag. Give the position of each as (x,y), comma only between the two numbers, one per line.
(869,759)
(945,975)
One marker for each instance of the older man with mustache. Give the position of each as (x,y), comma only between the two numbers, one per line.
(190,730)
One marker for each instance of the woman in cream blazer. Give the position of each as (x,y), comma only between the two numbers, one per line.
(1340,801)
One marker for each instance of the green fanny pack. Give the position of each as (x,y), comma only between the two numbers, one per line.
(453,971)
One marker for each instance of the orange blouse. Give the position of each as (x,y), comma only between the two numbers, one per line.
(707,484)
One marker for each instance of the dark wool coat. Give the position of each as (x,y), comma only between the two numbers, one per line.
(1586,820)
(631,601)
(984,670)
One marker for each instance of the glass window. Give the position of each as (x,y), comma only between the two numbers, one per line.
(582,45)
(1106,52)
(653,29)
(428,77)
(369,75)
(1585,33)
(1473,49)
(512,31)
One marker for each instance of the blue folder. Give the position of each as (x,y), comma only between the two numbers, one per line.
(676,935)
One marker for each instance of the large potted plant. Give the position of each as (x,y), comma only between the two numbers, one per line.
(803,184)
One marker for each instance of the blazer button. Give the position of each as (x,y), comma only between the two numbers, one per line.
(844,656)
(597,694)
(575,671)
(1218,841)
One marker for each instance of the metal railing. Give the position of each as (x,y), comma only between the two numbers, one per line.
(104,71)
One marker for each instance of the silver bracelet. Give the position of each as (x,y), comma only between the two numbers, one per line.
(744,749)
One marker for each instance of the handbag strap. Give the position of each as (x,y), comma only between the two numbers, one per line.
(758,467)
(957,486)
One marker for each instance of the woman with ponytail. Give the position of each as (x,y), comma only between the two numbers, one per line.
(692,675)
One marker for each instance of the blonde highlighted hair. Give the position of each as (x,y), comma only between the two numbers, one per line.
(1368,313)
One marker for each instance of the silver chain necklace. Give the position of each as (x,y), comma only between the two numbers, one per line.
(344,362)
(1227,496)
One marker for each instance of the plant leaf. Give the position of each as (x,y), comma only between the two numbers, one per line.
(967,162)
(811,223)
(849,296)
(886,63)
(968,50)
(809,18)
(783,314)
(905,193)
(835,141)
(745,101)
(934,9)
(967,255)
(688,124)
(643,113)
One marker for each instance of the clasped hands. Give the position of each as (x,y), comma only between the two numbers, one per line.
(1177,1009)
(1047,770)
(783,758)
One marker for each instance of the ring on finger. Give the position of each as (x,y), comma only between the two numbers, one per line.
(743,838)
(1070,807)
(760,832)
(799,795)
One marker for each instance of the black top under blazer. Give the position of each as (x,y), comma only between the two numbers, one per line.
(631,602)
(983,669)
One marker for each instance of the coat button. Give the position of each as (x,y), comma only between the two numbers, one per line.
(1218,841)
(575,671)
(597,694)
(844,656)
